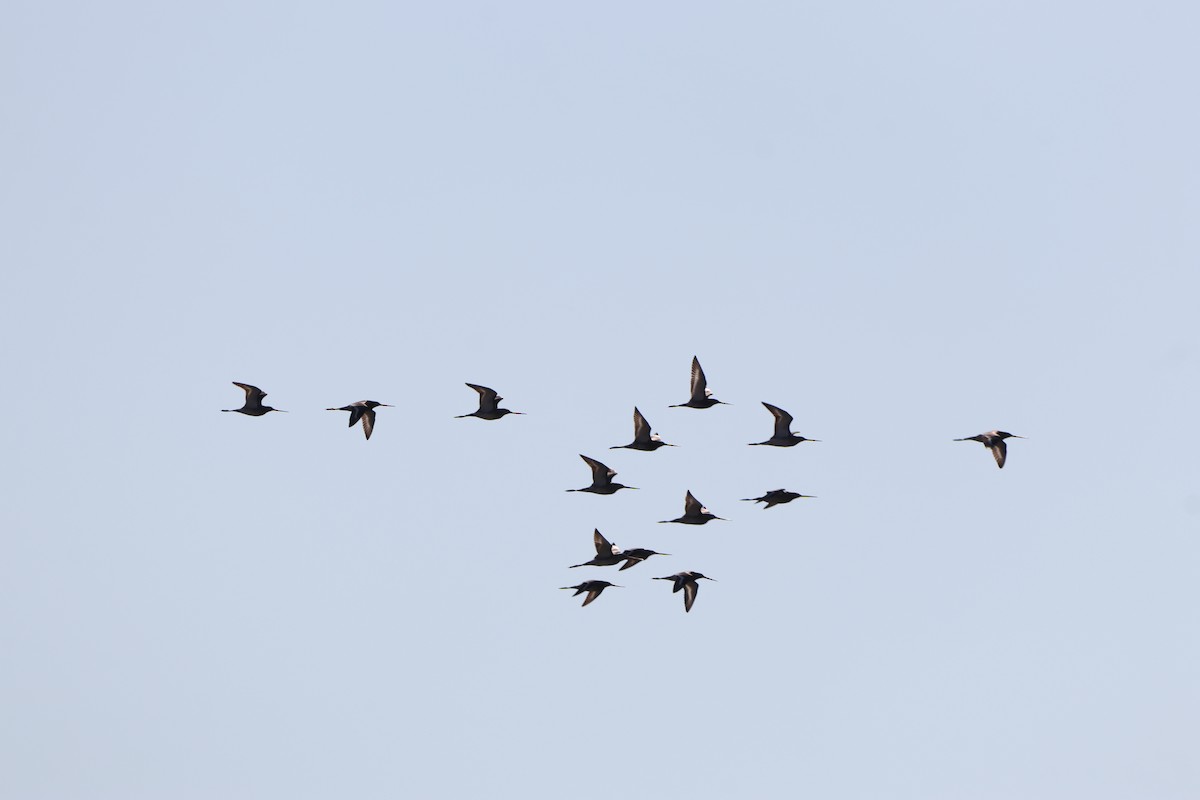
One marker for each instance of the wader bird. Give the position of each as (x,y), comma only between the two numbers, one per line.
(783,429)
(693,512)
(637,555)
(687,582)
(364,410)
(775,498)
(602,479)
(488,400)
(701,394)
(593,589)
(994,441)
(253,406)
(642,438)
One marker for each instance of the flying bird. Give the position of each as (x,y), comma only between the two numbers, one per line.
(607,553)
(688,582)
(488,402)
(994,441)
(593,589)
(636,555)
(693,512)
(254,402)
(643,439)
(602,479)
(783,429)
(776,497)
(364,410)
(701,394)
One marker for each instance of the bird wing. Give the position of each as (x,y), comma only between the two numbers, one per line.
(1000,451)
(641,428)
(601,474)
(691,506)
(631,560)
(254,395)
(699,382)
(593,593)
(603,546)
(368,421)
(488,399)
(689,594)
(783,421)
(356,413)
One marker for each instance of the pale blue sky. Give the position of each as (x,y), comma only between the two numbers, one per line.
(904,223)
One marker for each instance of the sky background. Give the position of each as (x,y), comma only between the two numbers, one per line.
(903,223)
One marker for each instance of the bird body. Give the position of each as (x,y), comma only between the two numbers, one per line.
(701,394)
(643,439)
(776,497)
(602,479)
(693,512)
(362,410)
(994,441)
(687,581)
(253,407)
(593,589)
(783,436)
(488,405)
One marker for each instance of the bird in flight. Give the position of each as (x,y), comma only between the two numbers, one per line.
(607,553)
(602,479)
(693,512)
(776,497)
(643,439)
(994,441)
(701,394)
(254,402)
(783,436)
(688,582)
(488,402)
(364,410)
(593,589)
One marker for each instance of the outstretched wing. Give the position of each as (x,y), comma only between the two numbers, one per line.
(783,421)
(254,395)
(691,506)
(488,399)
(699,382)
(1000,451)
(603,546)
(641,428)
(689,594)
(368,421)
(601,474)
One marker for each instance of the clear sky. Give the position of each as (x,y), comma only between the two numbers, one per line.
(903,222)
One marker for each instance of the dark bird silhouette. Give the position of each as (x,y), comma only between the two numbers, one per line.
(364,410)
(602,479)
(693,512)
(488,402)
(783,429)
(254,402)
(636,555)
(701,395)
(642,438)
(593,589)
(776,497)
(994,441)
(607,553)
(688,582)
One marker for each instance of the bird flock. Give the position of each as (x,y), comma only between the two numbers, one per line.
(694,513)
